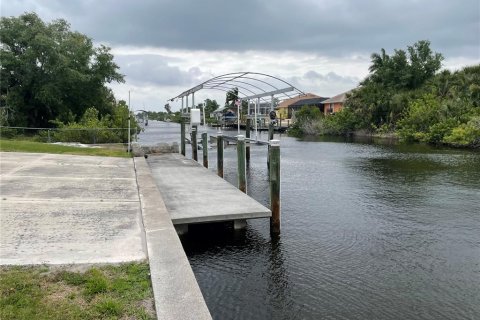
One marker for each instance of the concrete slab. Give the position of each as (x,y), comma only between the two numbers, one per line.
(51,232)
(193,194)
(65,209)
(177,295)
(72,189)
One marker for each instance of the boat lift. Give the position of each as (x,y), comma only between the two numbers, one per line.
(251,86)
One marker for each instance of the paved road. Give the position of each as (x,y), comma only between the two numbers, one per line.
(63,209)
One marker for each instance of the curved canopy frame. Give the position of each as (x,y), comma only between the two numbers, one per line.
(250,85)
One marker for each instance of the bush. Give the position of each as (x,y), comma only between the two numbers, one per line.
(94,129)
(437,131)
(8,133)
(305,121)
(465,134)
(343,122)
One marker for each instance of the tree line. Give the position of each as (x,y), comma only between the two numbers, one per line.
(408,95)
(54,77)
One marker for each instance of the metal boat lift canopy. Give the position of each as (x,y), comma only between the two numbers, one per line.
(250,85)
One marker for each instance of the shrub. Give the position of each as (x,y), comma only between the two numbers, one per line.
(465,134)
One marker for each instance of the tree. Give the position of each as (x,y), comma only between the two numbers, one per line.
(50,72)
(210,107)
(231,97)
(393,80)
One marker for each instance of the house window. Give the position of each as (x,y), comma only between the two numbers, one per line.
(330,108)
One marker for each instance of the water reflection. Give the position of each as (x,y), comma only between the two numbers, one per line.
(260,264)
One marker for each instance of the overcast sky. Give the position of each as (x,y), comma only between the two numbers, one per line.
(164,47)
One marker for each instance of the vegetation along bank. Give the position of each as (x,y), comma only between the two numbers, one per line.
(408,96)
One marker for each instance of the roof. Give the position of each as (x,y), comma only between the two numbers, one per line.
(288,102)
(308,102)
(338,98)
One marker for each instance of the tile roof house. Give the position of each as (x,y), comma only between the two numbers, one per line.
(335,103)
(285,108)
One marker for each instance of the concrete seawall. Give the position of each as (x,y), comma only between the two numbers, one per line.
(177,294)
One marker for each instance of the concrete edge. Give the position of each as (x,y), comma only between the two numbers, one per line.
(223,218)
(176,291)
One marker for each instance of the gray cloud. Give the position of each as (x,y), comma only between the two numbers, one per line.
(328,27)
(327,85)
(154,70)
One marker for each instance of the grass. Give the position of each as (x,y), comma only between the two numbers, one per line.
(107,292)
(32,146)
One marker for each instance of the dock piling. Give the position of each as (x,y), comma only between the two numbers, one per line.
(194,143)
(242,184)
(274,173)
(220,155)
(205,149)
(182,136)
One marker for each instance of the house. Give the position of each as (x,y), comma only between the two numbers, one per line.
(314,102)
(286,107)
(335,103)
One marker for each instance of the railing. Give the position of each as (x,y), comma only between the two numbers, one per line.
(75,134)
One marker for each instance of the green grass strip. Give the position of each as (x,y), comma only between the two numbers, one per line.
(106,292)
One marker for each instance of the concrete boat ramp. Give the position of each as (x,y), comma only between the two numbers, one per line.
(194,194)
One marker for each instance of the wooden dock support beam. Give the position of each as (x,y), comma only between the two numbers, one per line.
(194,143)
(205,149)
(220,156)
(274,173)
(182,136)
(242,168)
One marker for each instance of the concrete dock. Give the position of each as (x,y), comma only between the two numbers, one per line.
(194,194)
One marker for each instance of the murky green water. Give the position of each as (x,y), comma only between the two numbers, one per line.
(369,231)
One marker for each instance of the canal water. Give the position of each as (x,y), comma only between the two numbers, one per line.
(369,231)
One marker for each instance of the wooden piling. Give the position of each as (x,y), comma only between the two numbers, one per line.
(247,136)
(242,178)
(205,149)
(194,143)
(182,136)
(220,156)
(274,173)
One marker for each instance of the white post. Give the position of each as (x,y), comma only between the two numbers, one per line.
(193,101)
(128,150)
(182,106)
(186,107)
(204,123)
(257,105)
(239,112)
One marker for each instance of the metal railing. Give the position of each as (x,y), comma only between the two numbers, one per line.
(75,135)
